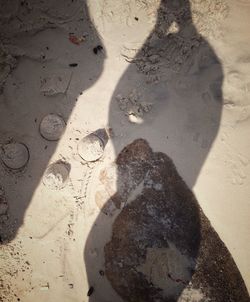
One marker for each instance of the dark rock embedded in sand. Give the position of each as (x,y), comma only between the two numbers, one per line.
(163,248)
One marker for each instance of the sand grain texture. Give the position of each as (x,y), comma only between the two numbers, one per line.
(172,76)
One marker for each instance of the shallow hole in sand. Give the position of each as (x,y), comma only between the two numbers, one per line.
(15,155)
(56,175)
(91,147)
(52,127)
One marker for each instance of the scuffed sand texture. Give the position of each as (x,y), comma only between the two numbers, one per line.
(124,150)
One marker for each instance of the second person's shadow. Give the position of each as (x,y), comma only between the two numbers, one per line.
(162,247)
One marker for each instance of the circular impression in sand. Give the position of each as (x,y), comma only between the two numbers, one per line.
(91,147)
(56,175)
(15,155)
(52,127)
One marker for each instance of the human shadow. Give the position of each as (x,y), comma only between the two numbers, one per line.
(53,70)
(162,246)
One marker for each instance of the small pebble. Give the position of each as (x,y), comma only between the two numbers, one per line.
(135,119)
(90,291)
(97,49)
(101,272)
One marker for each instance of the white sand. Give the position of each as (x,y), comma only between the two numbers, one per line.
(44,259)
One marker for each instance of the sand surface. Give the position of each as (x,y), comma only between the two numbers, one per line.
(121,70)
